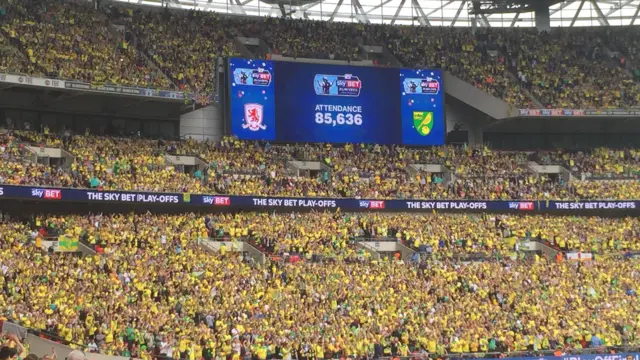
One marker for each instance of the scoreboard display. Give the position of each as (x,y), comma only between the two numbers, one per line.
(300,102)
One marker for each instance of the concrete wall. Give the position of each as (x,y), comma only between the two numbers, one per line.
(206,123)
(307,165)
(241,246)
(476,98)
(48,152)
(322,61)
(388,247)
(551,169)
(184,160)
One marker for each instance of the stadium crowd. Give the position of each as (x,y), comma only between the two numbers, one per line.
(150,290)
(70,40)
(597,163)
(11,61)
(597,68)
(354,170)
(333,234)
(185,45)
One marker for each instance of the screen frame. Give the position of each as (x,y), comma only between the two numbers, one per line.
(228,99)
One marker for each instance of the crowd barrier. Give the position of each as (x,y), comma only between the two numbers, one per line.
(273,203)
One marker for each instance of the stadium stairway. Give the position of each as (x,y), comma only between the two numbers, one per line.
(560,170)
(385,248)
(117,31)
(476,98)
(10,49)
(243,247)
(18,49)
(50,156)
(251,47)
(524,90)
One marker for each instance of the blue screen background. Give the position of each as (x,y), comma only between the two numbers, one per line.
(241,94)
(297,99)
(387,113)
(411,102)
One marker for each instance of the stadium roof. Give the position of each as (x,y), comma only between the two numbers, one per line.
(418,12)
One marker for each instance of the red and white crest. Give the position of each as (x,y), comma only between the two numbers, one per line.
(253,117)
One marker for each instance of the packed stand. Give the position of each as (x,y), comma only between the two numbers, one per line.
(15,169)
(564,68)
(470,56)
(70,40)
(570,68)
(128,164)
(151,291)
(184,44)
(623,41)
(13,63)
(439,234)
(307,39)
(598,163)
(238,167)
(587,234)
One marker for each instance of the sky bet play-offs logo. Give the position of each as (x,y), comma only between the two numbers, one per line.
(423,122)
(49,194)
(252,77)
(372,204)
(217,200)
(337,85)
(419,86)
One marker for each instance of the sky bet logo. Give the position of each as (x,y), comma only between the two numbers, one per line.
(217,200)
(378,204)
(521,205)
(49,194)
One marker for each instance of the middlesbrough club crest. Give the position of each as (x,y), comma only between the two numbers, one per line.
(253,117)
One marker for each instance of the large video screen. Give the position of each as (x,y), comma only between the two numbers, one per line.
(300,102)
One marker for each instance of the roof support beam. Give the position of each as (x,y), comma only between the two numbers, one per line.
(562,6)
(335,11)
(515,19)
(395,16)
(385,2)
(617,7)
(462,4)
(635,15)
(485,21)
(237,7)
(601,18)
(575,17)
(309,5)
(440,8)
(272,9)
(360,14)
(422,19)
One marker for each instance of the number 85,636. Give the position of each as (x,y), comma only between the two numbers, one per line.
(339,119)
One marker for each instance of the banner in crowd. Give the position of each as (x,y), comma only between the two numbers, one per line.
(621,356)
(577,112)
(67,243)
(274,203)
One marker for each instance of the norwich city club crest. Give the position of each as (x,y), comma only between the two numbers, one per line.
(423,122)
